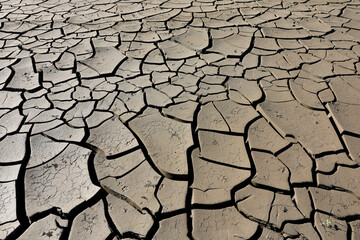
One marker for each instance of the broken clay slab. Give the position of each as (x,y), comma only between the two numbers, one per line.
(166,141)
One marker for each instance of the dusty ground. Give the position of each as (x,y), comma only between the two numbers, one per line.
(179,119)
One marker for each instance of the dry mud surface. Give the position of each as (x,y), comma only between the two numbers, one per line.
(179,119)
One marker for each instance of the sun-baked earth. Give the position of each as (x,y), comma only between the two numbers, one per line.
(179,119)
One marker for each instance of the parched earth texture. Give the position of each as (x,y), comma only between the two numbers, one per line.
(179,119)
